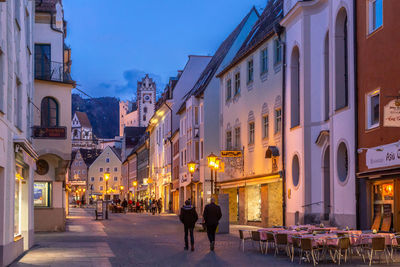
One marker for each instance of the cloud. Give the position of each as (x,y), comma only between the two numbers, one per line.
(126,89)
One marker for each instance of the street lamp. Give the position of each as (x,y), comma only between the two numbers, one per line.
(121,189)
(192,168)
(106,178)
(134,183)
(214,164)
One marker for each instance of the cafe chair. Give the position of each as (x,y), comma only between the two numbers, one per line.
(256,237)
(281,242)
(377,245)
(269,242)
(342,246)
(395,245)
(295,246)
(243,238)
(307,248)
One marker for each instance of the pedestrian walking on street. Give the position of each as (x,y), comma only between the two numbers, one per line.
(124,205)
(189,218)
(211,215)
(159,205)
(153,206)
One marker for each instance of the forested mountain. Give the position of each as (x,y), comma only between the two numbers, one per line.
(103,113)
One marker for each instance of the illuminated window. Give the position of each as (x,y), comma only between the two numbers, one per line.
(264,61)
(373,109)
(253,195)
(251,133)
(41,194)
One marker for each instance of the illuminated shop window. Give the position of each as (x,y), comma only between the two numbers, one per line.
(41,194)
(253,194)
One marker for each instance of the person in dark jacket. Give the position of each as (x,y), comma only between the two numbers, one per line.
(211,215)
(189,218)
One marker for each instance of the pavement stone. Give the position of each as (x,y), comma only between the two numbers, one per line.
(141,240)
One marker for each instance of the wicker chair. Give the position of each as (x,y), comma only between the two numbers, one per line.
(243,238)
(295,246)
(395,246)
(377,245)
(256,237)
(343,245)
(307,247)
(281,241)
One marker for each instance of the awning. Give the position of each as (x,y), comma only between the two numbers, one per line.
(272,151)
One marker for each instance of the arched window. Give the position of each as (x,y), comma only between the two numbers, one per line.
(295,170)
(49,112)
(342,162)
(326,77)
(341,60)
(295,88)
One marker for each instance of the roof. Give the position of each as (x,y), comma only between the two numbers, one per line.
(83,119)
(46,5)
(217,59)
(117,152)
(132,135)
(89,155)
(262,30)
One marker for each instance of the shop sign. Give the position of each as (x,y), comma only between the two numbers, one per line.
(49,132)
(77,182)
(231,154)
(383,157)
(391,114)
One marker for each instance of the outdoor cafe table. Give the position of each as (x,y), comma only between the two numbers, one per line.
(290,233)
(367,238)
(322,239)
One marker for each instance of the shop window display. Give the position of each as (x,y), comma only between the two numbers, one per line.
(253,194)
(41,194)
(383,205)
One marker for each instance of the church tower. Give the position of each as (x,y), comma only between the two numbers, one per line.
(146,100)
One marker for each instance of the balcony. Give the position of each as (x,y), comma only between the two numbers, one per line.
(52,71)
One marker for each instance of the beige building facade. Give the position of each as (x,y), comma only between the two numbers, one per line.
(109,162)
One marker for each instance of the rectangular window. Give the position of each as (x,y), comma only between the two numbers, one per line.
(265,124)
(101,179)
(264,61)
(83,172)
(41,194)
(375,14)
(107,160)
(92,179)
(251,133)
(237,138)
(101,188)
(115,179)
(201,150)
(43,61)
(278,52)
(115,169)
(228,89)
(229,140)
(185,157)
(108,169)
(18,105)
(278,120)
(181,158)
(196,115)
(373,109)
(250,71)
(197,150)
(237,83)
(17,200)
(101,169)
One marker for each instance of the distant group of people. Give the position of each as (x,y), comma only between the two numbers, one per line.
(211,216)
(148,205)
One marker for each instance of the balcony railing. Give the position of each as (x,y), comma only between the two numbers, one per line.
(52,71)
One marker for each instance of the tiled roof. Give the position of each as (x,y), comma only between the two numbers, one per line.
(89,155)
(262,29)
(46,5)
(217,59)
(133,135)
(117,152)
(83,119)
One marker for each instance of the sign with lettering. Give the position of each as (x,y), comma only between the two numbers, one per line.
(77,182)
(50,132)
(231,154)
(391,114)
(384,156)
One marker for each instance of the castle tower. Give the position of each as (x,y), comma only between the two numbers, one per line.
(146,100)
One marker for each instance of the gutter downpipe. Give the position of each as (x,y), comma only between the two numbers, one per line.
(356,114)
(171,152)
(279,30)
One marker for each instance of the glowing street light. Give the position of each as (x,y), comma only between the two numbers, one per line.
(106,178)
(191,167)
(214,164)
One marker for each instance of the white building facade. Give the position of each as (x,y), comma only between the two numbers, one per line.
(82,131)
(17,155)
(320,112)
(52,119)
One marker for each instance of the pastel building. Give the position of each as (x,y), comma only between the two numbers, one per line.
(320,112)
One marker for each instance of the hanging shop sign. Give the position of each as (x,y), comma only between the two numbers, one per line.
(391,114)
(77,183)
(49,132)
(231,154)
(384,156)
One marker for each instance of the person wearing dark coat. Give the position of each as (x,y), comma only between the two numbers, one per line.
(211,215)
(189,218)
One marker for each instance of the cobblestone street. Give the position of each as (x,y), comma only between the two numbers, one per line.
(138,240)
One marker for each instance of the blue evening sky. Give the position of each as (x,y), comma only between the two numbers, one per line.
(114,43)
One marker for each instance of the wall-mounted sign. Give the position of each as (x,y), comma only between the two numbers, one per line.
(77,182)
(49,132)
(391,114)
(231,154)
(384,156)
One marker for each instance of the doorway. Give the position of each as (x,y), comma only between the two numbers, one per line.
(327,184)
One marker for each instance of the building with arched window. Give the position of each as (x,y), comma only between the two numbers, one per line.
(52,118)
(320,115)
